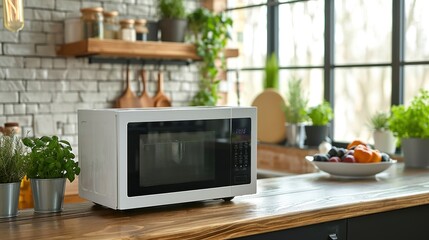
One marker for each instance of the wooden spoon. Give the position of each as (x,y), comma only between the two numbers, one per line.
(145,99)
(160,99)
(128,99)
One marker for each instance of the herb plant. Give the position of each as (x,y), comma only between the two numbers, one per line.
(296,104)
(411,121)
(172,9)
(13,157)
(51,158)
(321,114)
(210,43)
(380,121)
(271,79)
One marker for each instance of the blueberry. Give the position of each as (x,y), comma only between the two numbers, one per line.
(333,152)
(385,157)
(341,152)
(324,157)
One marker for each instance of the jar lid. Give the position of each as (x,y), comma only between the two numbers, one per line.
(127,21)
(141,21)
(11,124)
(93,9)
(110,14)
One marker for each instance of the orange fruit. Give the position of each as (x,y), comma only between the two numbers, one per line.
(363,154)
(355,143)
(376,156)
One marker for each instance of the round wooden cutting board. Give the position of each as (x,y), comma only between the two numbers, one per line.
(271,118)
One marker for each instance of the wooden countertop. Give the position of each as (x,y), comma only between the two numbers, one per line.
(280,203)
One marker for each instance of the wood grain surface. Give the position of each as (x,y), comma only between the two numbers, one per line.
(120,48)
(280,203)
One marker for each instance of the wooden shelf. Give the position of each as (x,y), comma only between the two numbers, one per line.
(127,49)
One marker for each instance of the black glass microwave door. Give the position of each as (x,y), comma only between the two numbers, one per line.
(178,156)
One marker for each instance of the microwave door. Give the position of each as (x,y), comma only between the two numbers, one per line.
(179,156)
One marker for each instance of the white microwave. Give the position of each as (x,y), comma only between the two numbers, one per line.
(133,158)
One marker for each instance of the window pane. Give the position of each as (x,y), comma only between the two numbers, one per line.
(416,30)
(301,33)
(359,93)
(312,83)
(363,31)
(249,35)
(250,85)
(243,3)
(415,78)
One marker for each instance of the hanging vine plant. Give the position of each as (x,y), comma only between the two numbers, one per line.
(210,35)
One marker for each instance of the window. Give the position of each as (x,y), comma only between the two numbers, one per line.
(370,54)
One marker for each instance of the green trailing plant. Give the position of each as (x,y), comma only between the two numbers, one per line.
(51,157)
(380,121)
(321,114)
(271,79)
(296,104)
(172,9)
(210,42)
(196,21)
(411,121)
(13,156)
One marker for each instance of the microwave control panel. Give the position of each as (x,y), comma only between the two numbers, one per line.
(241,150)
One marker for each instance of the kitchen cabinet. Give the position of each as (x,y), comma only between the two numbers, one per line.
(408,223)
(323,231)
(126,49)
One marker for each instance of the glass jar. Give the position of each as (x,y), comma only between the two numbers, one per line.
(13,15)
(141,30)
(92,19)
(111,25)
(127,32)
(11,129)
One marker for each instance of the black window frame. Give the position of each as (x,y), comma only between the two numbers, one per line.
(396,64)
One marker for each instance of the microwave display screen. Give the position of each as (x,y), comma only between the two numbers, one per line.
(177,157)
(173,156)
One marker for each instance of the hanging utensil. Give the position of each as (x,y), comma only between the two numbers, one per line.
(128,99)
(145,99)
(160,99)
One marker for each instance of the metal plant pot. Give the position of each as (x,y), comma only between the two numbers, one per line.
(295,135)
(415,152)
(9,199)
(48,194)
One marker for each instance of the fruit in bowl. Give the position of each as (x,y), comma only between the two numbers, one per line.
(356,152)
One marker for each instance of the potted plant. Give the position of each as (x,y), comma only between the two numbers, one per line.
(271,119)
(411,125)
(384,140)
(50,163)
(173,20)
(12,170)
(320,117)
(210,38)
(295,111)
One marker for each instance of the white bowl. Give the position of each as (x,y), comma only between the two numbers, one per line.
(343,169)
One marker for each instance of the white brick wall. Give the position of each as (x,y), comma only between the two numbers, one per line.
(43,91)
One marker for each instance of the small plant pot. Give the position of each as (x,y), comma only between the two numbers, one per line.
(9,199)
(295,134)
(316,135)
(173,30)
(48,194)
(415,152)
(384,141)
